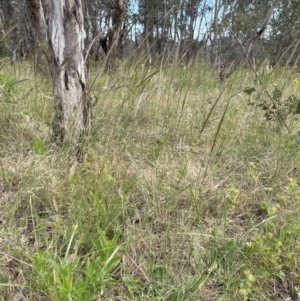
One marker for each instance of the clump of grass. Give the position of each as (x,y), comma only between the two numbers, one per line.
(184,192)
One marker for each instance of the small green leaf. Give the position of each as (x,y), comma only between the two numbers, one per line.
(111,281)
(39,147)
(276,94)
(263,205)
(112,263)
(249,91)
(268,116)
(159,142)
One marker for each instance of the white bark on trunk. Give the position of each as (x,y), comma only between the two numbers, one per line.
(69,72)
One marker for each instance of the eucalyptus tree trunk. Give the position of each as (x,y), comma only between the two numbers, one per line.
(146,32)
(175,29)
(216,48)
(192,13)
(69,73)
(115,34)
(39,24)
(163,39)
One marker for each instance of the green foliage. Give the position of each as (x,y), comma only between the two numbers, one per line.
(275,107)
(163,285)
(39,146)
(73,278)
(7,87)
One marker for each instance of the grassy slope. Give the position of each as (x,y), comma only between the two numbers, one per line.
(185,191)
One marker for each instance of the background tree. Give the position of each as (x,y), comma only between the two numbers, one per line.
(39,25)
(114,34)
(216,40)
(15,16)
(192,29)
(284,34)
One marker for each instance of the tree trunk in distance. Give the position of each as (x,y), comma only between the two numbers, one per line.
(146,33)
(69,71)
(113,42)
(39,24)
(216,50)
